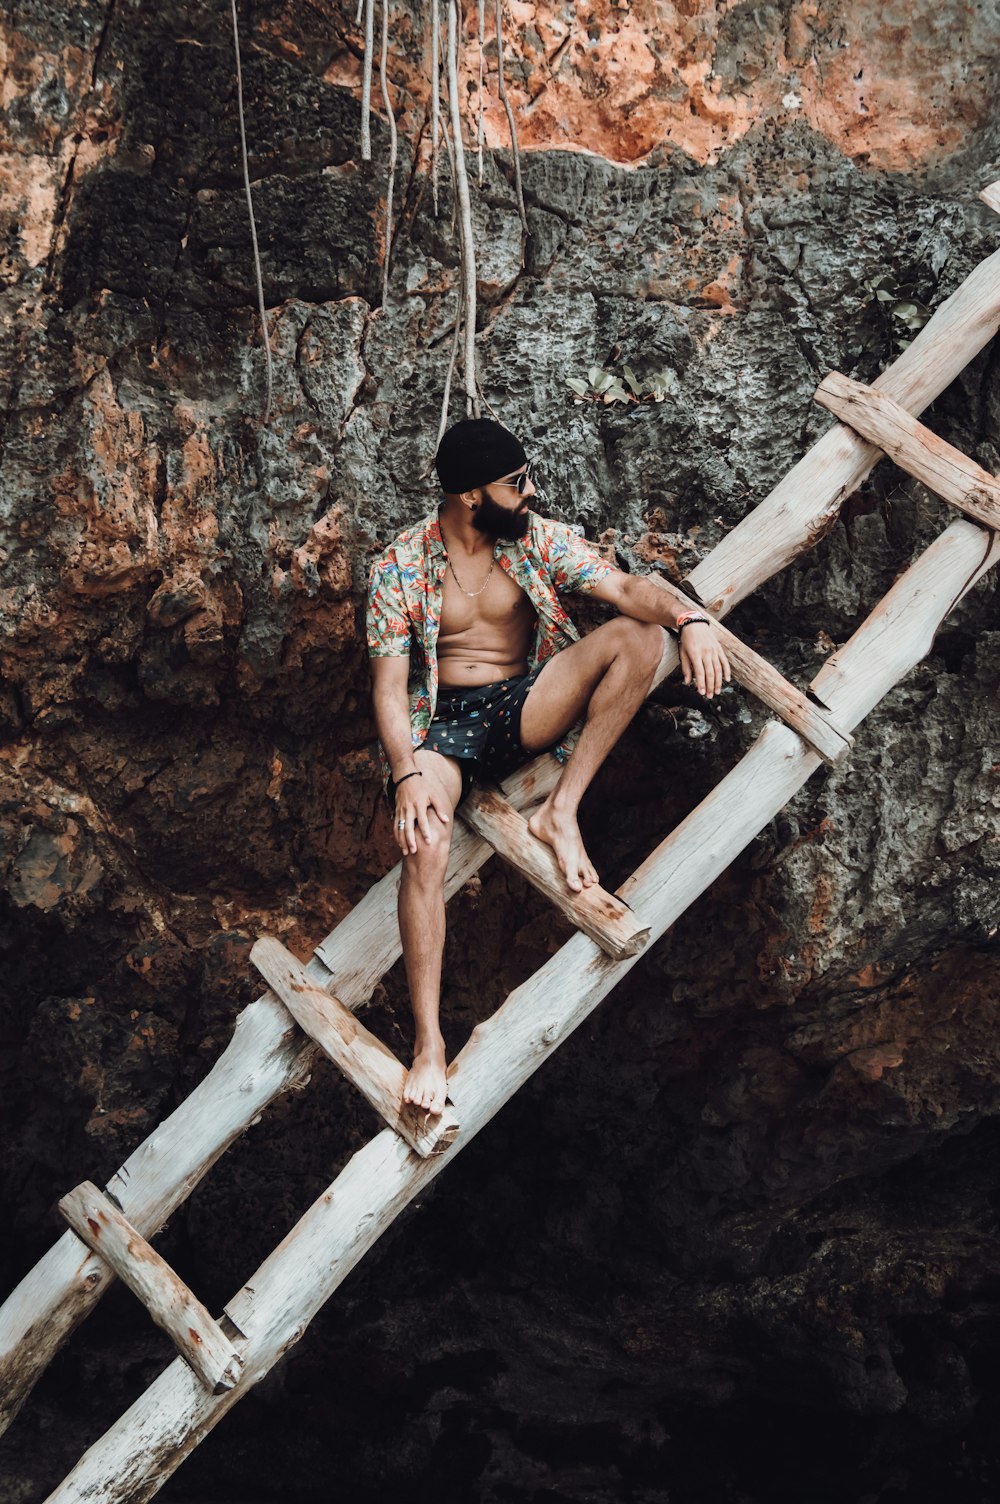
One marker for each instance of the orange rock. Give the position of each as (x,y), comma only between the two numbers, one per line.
(871,1062)
(621,81)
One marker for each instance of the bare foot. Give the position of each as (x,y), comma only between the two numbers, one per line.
(560,831)
(426,1085)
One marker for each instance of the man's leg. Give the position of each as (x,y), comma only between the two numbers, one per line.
(608,674)
(421,929)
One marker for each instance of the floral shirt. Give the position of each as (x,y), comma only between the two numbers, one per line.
(406,588)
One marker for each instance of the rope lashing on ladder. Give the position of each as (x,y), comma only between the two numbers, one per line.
(253,224)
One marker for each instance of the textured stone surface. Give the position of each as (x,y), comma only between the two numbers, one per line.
(738,1240)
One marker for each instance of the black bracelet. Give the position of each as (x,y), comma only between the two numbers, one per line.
(705,619)
(417,773)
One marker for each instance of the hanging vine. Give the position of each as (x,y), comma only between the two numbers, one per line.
(392,154)
(465,217)
(435,98)
(366,77)
(442,425)
(253,223)
(515,149)
(451,164)
(465,318)
(482,45)
(461,206)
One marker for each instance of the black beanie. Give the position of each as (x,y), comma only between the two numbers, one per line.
(474,452)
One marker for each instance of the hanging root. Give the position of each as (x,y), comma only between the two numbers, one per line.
(454,350)
(253,224)
(482,44)
(392,155)
(455,334)
(435,104)
(515,149)
(454,191)
(489,406)
(458,317)
(366,79)
(465,220)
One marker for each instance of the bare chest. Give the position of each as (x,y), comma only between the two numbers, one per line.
(500,607)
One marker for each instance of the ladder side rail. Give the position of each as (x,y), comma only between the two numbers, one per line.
(146,1445)
(63,1287)
(900,632)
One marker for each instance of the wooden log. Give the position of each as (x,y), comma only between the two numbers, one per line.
(991,195)
(774,690)
(596,912)
(355,1050)
(265,1057)
(199,1340)
(901,629)
(948,472)
(145,1446)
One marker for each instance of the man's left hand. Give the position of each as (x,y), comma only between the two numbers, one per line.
(703,659)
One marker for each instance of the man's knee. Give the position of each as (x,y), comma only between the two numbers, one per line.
(429,863)
(641,640)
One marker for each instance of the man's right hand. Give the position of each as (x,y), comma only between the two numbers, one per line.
(414,802)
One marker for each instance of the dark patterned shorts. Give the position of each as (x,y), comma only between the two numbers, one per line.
(481,727)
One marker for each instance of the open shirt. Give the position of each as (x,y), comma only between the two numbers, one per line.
(405,594)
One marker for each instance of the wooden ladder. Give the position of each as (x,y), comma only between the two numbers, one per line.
(312,1007)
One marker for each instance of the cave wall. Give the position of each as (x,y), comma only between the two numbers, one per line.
(751,1200)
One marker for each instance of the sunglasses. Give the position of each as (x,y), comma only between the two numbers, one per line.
(520,481)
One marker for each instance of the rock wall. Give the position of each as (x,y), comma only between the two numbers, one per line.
(738,1240)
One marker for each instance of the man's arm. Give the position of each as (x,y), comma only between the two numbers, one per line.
(389,636)
(703,657)
(634,595)
(392,719)
(392,712)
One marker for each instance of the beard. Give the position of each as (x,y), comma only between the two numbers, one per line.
(499,523)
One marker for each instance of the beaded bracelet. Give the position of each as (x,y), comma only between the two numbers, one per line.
(684,620)
(417,773)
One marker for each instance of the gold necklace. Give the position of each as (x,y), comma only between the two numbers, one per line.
(470,593)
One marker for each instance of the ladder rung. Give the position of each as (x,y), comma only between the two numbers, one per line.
(775,691)
(947,472)
(198,1338)
(602,916)
(355,1050)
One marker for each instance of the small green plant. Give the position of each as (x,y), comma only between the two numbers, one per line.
(603,386)
(907,313)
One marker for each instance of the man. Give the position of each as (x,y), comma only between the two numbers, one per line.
(477,668)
